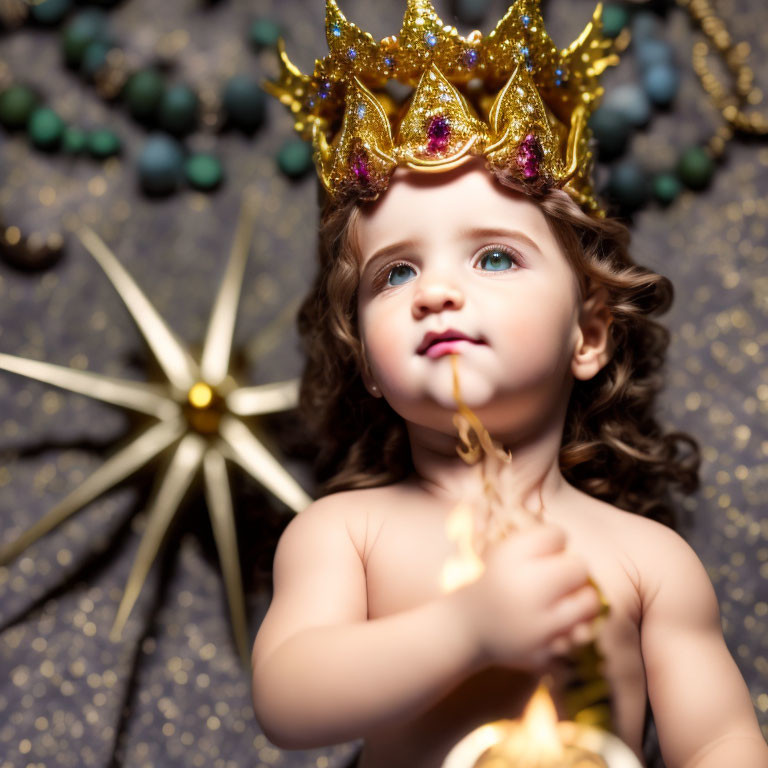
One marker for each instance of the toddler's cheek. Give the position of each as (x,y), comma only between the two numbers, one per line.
(385,355)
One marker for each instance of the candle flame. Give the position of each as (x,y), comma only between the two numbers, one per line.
(538,725)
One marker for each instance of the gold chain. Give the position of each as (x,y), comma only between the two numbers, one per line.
(729,101)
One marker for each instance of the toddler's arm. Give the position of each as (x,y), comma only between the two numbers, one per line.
(702,708)
(322,673)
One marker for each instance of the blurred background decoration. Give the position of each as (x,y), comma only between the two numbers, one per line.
(145,123)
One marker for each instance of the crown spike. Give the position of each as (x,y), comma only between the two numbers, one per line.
(363,150)
(352,51)
(293,89)
(438,127)
(593,52)
(521,134)
(425,38)
(520,35)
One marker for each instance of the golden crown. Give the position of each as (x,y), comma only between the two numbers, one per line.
(511,97)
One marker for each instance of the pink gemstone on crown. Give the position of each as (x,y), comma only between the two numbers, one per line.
(438,134)
(358,164)
(529,156)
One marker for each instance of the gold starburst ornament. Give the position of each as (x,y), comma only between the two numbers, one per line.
(199,415)
(511,97)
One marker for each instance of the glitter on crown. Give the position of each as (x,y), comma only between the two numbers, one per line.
(510,96)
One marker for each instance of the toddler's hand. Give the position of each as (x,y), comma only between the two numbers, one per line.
(531,601)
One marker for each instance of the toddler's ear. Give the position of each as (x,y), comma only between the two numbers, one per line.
(592,349)
(367,376)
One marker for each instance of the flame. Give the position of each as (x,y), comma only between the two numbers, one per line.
(538,726)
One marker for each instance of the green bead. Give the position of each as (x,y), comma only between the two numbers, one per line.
(87,27)
(666,188)
(143,93)
(615,18)
(45,128)
(264,34)
(695,168)
(103,143)
(50,11)
(74,140)
(178,109)
(244,103)
(94,58)
(203,171)
(295,158)
(16,105)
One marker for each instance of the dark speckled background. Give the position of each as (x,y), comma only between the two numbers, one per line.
(172,693)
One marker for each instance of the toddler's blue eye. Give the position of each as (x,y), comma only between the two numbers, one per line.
(496,261)
(400,274)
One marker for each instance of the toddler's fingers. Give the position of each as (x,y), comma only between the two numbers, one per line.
(583,633)
(560,646)
(583,605)
(562,574)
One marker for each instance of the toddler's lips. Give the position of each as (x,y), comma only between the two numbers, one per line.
(444,343)
(447,347)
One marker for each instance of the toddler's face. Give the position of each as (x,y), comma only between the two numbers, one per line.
(455,256)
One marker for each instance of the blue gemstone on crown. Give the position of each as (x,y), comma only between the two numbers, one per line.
(389,61)
(469,57)
(324,89)
(430,39)
(526,20)
(524,50)
(336,30)
(352,53)
(361,110)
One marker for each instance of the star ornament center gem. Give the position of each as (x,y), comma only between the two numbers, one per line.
(199,413)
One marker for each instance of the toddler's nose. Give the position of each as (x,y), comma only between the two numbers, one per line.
(436,296)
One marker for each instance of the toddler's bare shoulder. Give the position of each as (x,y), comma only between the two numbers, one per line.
(361,511)
(628,526)
(654,548)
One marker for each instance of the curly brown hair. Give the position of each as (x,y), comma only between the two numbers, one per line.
(613,446)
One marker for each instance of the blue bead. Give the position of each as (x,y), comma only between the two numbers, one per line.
(652,51)
(611,129)
(244,103)
(661,83)
(526,20)
(161,165)
(632,101)
(644,26)
(50,11)
(629,186)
